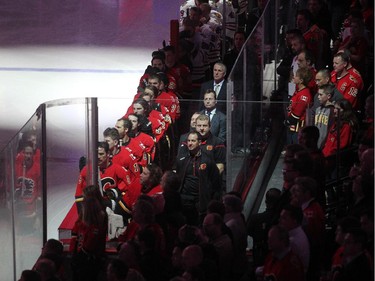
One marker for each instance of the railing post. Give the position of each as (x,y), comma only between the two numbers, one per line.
(92,140)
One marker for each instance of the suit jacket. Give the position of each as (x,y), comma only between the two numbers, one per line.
(221,98)
(218,124)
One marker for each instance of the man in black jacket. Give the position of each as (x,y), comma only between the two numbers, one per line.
(200,180)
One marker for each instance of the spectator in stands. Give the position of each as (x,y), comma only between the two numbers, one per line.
(308,137)
(304,161)
(217,118)
(178,70)
(367,225)
(259,225)
(192,257)
(47,270)
(338,10)
(219,85)
(254,14)
(367,131)
(212,226)
(356,263)
(199,49)
(152,263)
(53,250)
(211,29)
(170,181)
(231,56)
(200,180)
(194,274)
(129,253)
(30,275)
(144,218)
(291,150)
(117,270)
(290,171)
(297,45)
(324,114)
(367,163)
(291,219)
(320,15)
(88,240)
(284,69)
(229,14)
(303,195)
(298,105)
(357,44)
(344,82)
(342,228)
(355,74)
(235,221)
(173,218)
(197,254)
(305,59)
(316,39)
(281,263)
(218,207)
(363,199)
(322,77)
(345,124)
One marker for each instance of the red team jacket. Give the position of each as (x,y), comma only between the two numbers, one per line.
(288,268)
(88,238)
(330,146)
(297,109)
(348,86)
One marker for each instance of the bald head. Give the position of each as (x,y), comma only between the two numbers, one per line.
(192,256)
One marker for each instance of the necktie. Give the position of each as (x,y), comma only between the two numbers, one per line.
(217,89)
(208,113)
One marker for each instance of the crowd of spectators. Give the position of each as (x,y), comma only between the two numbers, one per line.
(178,220)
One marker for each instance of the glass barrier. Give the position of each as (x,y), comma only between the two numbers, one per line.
(251,115)
(22,200)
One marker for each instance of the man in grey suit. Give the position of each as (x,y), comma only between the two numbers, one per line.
(219,85)
(218,119)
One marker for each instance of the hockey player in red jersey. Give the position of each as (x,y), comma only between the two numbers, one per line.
(121,155)
(114,179)
(27,181)
(165,97)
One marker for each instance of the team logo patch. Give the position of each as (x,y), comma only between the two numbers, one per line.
(203,166)
(209,147)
